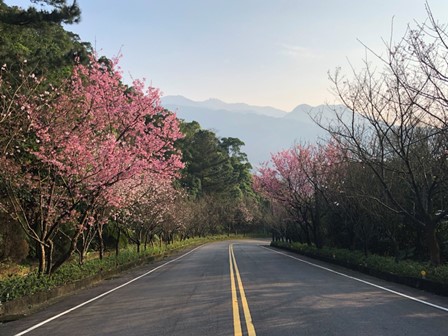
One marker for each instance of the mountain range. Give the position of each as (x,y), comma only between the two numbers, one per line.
(264,130)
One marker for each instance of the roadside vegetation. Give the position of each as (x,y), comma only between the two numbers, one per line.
(377,186)
(382,264)
(90,165)
(24,280)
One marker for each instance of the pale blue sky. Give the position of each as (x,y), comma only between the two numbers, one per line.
(261,52)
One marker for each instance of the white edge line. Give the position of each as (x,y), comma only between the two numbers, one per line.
(104,294)
(360,280)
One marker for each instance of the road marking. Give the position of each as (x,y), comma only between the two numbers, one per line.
(246,310)
(360,280)
(235,308)
(104,294)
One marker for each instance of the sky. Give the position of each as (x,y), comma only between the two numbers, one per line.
(261,52)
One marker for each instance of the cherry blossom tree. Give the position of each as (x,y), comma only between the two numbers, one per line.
(149,208)
(297,179)
(81,139)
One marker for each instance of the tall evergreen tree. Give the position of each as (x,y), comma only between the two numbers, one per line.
(35,41)
(213,165)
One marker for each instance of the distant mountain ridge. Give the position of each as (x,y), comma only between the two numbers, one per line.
(216,104)
(264,130)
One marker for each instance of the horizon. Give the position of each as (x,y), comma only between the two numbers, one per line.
(263,53)
(244,103)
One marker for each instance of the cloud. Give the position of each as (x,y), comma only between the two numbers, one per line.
(298,52)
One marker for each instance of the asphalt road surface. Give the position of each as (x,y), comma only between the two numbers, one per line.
(240,288)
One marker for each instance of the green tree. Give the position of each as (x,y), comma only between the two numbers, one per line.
(242,176)
(213,165)
(35,40)
(217,175)
(61,12)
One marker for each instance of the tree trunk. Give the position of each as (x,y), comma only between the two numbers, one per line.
(365,248)
(138,239)
(316,231)
(49,257)
(101,242)
(117,245)
(396,249)
(42,257)
(433,245)
(307,235)
(68,253)
(145,244)
(315,217)
(83,251)
(82,254)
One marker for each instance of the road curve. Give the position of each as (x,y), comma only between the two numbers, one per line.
(240,288)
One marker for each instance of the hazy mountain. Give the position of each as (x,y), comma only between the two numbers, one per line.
(216,104)
(262,133)
(324,113)
(300,111)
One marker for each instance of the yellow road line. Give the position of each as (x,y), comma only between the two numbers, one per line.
(246,310)
(236,311)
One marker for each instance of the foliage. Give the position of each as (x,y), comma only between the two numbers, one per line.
(297,179)
(73,144)
(405,268)
(87,163)
(213,165)
(15,287)
(397,129)
(62,13)
(151,208)
(385,189)
(36,43)
(217,178)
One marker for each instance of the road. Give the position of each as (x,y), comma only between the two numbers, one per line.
(240,288)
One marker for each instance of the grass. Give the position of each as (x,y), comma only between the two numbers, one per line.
(19,281)
(405,268)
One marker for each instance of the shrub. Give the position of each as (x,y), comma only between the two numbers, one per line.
(15,287)
(378,263)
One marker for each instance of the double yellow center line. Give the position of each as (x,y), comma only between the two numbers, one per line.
(234,273)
